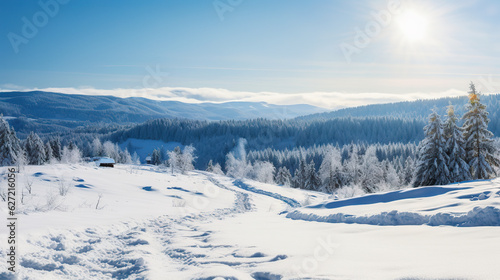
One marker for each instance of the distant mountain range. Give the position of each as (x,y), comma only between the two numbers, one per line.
(45,110)
(414,110)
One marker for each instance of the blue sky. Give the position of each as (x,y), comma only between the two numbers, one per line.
(280,51)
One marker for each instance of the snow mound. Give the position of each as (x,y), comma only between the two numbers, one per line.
(389,197)
(464,205)
(488,216)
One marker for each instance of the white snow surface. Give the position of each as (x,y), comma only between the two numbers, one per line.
(141,222)
(465,204)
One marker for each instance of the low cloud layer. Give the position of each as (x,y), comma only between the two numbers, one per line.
(329,100)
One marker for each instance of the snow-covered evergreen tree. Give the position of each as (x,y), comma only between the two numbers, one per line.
(135,159)
(408,171)
(71,145)
(455,149)
(97,148)
(55,144)
(479,147)
(299,177)
(125,157)
(352,167)
(111,150)
(217,169)
(21,160)
(174,159)
(330,171)
(156,157)
(432,168)
(71,156)
(214,168)
(283,176)
(312,180)
(35,149)
(186,159)
(391,179)
(210,167)
(10,146)
(178,154)
(371,172)
(48,152)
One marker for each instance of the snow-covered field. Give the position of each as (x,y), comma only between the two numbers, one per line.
(141,222)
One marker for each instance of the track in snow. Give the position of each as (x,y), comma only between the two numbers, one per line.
(291,202)
(152,249)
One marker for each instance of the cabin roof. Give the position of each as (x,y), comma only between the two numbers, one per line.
(105,160)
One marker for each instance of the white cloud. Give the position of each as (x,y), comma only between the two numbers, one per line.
(330,100)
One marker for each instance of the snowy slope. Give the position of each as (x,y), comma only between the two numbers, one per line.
(467,204)
(150,224)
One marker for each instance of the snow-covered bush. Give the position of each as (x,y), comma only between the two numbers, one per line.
(71,156)
(263,171)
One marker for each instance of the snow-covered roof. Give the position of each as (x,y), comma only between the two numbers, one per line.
(105,160)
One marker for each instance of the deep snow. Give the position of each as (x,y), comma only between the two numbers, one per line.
(464,205)
(150,224)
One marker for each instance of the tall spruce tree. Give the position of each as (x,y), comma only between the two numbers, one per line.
(210,166)
(352,167)
(35,149)
(312,180)
(479,147)
(391,178)
(408,169)
(283,176)
(432,161)
(371,172)
(10,146)
(299,178)
(455,148)
(48,152)
(330,171)
(55,144)
(156,157)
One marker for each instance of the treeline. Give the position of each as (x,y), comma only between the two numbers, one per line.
(396,153)
(327,168)
(34,151)
(416,110)
(214,140)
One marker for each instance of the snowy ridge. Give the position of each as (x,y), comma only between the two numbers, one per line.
(479,216)
(473,204)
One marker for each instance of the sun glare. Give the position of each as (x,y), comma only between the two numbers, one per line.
(413,26)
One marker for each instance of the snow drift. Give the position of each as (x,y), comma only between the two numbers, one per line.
(464,205)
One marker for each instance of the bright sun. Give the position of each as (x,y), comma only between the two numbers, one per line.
(413,25)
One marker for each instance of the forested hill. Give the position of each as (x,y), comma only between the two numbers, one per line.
(213,140)
(418,110)
(46,111)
